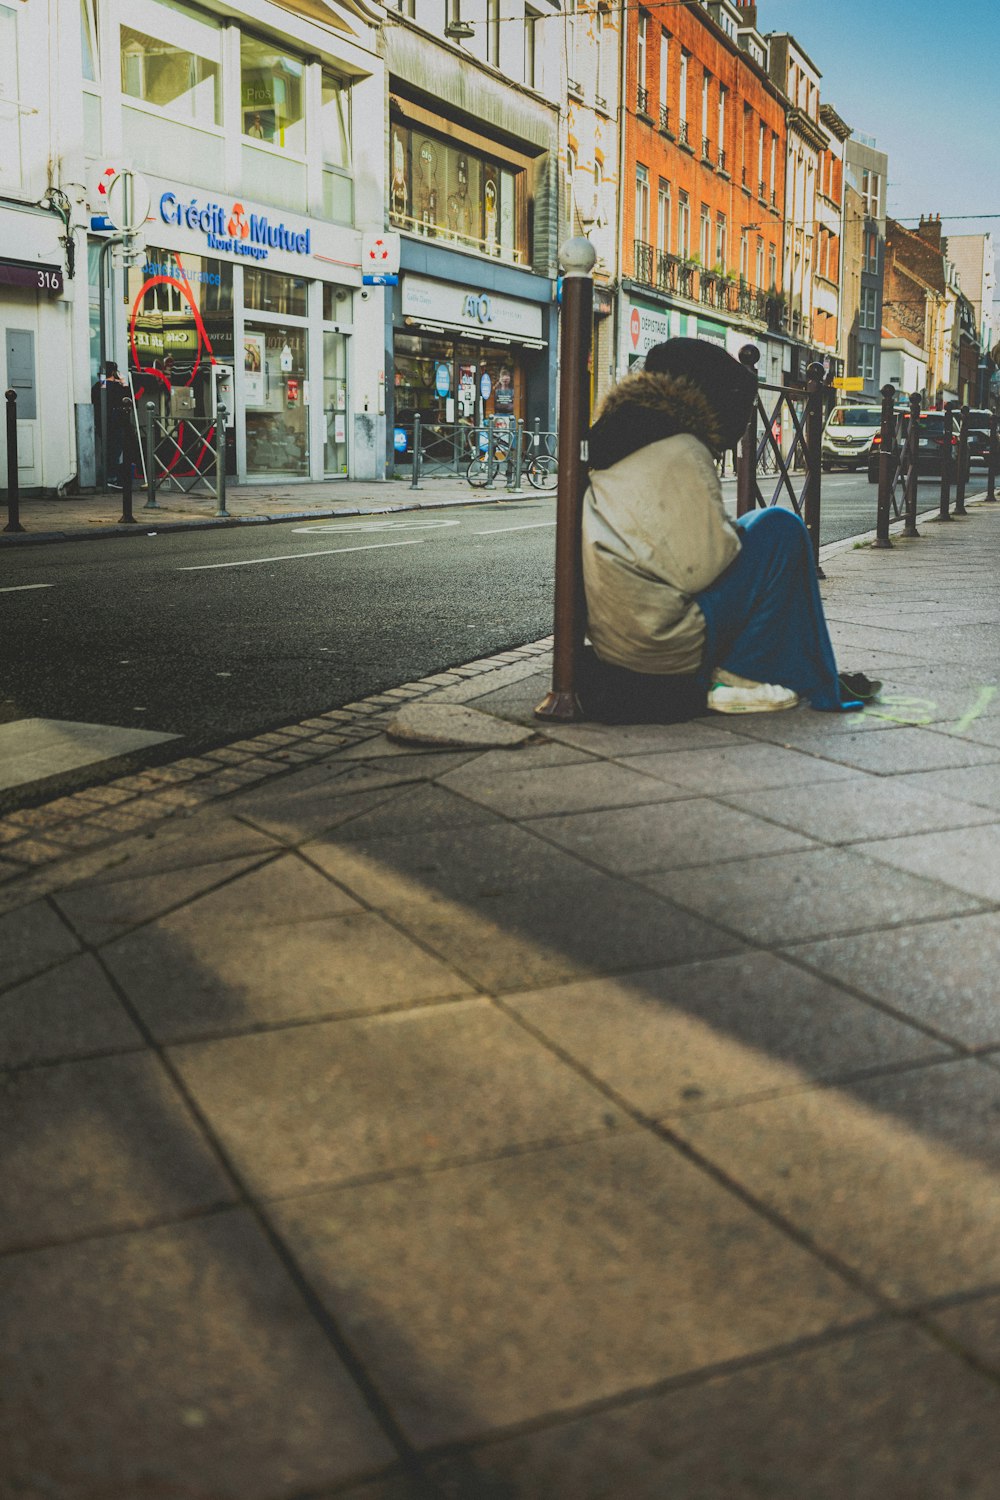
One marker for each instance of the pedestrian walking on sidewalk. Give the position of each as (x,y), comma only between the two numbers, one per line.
(117,393)
(686,608)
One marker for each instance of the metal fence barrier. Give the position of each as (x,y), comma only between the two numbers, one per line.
(794,450)
(501,449)
(186,455)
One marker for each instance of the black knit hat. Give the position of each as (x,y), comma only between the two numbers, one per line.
(729,386)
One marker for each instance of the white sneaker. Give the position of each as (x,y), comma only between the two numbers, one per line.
(743,697)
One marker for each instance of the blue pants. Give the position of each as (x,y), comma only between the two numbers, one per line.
(764,615)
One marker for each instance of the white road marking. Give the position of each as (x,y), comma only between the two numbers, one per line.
(373,526)
(18,588)
(252,562)
(531,526)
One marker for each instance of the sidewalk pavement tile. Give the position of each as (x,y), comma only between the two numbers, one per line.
(98,1145)
(943,974)
(470,864)
(672,1040)
(962,857)
(519,700)
(101,912)
(295,815)
(507,1290)
(666,836)
(397,1487)
(880,1414)
(31,938)
(199,839)
(864,807)
(555,789)
(316,1105)
(802,729)
(69,1011)
(979,785)
(592,924)
(419,807)
(908,749)
(896,1176)
(741,766)
(779,898)
(617,741)
(176,1362)
(191,977)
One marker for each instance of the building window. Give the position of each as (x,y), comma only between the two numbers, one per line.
(744,255)
(663,216)
(683,225)
(774,153)
(760,156)
(570,189)
(335,133)
(642,204)
(722,125)
(664,69)
(871,192)
(705,236)
(272,96)
(682,97)
(640,60)
(10,116)
(869,307)
(570,22)
(88,42)
(866,361)
(177,70)
(405,7)
(442,190)
(600,49)
(531,48)
(772,266)
(493,32)
(760,261)
(721,243)
(706,82)
(869,259)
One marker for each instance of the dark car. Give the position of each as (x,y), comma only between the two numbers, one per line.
(979,437)
(930,445)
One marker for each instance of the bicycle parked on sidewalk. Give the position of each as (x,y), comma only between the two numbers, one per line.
(540,469)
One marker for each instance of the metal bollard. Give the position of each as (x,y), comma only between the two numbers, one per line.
(949,433)
(221,513)
(128,460)
(150,457)
(491,463)
(746,464)
(577,257)
(415,462)
(514,469)
(886,466)
(913,471)
(13,490)
(963,459)
(991,473)
(811,497)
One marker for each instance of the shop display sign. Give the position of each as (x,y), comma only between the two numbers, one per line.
(234,230)
(399,439)
(442,379)
(458,306)
(485,385)
(253,368)
(38,278)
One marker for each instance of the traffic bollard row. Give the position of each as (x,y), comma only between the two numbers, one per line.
(13,490)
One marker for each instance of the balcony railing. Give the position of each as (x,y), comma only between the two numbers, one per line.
(642,100)
(706,288)
(762,190)
(721,160)
(664,117)
(682,132)
(685,279)
(666,272)
(644,256)
(743,176)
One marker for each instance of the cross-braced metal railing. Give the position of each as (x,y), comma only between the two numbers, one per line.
(187,455)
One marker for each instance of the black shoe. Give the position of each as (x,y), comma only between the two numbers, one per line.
(857,685)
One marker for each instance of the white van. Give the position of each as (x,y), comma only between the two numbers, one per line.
(847,436)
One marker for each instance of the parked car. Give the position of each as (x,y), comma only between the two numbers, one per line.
(847,436)
(979,437)
(930,445)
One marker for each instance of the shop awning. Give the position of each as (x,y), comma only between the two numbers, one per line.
(473,335)
(32,275)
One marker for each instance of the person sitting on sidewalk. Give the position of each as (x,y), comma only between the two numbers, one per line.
(687,608)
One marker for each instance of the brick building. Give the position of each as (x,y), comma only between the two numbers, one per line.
(702,199)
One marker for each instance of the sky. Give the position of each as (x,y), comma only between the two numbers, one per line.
(923,78)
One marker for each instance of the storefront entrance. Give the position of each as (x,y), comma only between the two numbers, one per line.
(334,404)
(456,383)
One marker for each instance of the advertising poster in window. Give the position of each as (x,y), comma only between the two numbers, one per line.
(253,369)
(503,392)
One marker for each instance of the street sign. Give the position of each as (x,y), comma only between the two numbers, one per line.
(380,280)
(100,221)
(849,383)
(380,255)
(128,200)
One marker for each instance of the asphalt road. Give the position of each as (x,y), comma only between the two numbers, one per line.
(215,635)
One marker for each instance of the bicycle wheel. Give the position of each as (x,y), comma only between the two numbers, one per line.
(478,473)
(542,472)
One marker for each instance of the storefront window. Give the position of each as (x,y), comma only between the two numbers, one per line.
(87,48)
(272,96)
(275,371)
(177,67)
(270,291)
(180,331)
(10,115)
(449,192)
(336,303)
(335,403)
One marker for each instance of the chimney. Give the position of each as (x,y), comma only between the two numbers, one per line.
(749,9)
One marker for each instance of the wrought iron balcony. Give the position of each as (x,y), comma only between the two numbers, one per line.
(682,132)
(722,160)
(664,117)
(706,148)
(666,272)
(762,190)
(642,100)
(644,262)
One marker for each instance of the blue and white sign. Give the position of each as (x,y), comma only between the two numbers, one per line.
(485,385)
(442,379)
(399,439)
(379,280)
(234,230)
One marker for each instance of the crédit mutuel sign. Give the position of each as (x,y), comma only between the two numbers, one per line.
(234,230)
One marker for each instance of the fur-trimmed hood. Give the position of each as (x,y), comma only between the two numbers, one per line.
(645,407)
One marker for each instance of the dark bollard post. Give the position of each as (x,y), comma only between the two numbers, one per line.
(150,457)
(221,513)
(514,472)
(415,462)
(991,473)
(128,460)
(491,465)
(746,464)
(886,466)
(811,498)
(13,489)
(577,258)
(913,470)
(949,433)
(963,459)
